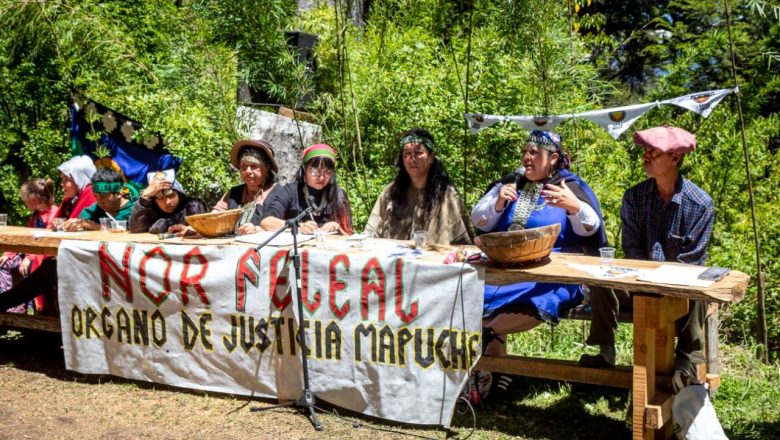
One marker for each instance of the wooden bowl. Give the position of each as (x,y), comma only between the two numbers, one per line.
(214,224)
(519,247)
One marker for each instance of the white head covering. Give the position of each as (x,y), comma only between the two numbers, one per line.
(80,169)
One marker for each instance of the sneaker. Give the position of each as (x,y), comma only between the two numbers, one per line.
(502,387)
(478,387)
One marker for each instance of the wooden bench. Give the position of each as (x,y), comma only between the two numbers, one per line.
(708,372)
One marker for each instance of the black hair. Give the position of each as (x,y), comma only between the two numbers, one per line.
(107,175)
(435,187)
(338,207)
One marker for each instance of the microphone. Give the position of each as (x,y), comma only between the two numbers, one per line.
(519,174)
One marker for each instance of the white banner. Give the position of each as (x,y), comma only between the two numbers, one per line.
(701,102)
(479,121)
(615,120)
(619,119)
(538,122)
(387,337)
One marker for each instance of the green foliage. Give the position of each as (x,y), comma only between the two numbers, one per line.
(414,63)
(173,68)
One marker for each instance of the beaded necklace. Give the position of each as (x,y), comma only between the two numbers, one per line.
(526,204)
(318,207)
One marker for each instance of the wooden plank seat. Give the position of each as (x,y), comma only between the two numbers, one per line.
(31,322)
(708,373)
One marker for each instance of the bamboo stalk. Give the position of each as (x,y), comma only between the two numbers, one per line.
(761,295)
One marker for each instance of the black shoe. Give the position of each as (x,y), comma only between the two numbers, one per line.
(502,389)
(595,361)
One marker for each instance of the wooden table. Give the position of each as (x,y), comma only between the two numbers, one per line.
(656,307)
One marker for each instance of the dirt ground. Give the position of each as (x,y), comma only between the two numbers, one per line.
(40,399)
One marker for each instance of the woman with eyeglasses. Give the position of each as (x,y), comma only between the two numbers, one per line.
(254,160)
(421,198)
(316,187)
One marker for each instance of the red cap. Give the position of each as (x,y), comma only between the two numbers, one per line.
(667,139)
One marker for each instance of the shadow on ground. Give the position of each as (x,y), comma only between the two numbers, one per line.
(538,410)
(529,414)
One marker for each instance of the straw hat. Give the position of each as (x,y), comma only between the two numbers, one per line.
(260,145)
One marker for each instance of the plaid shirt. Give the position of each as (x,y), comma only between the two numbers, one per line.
(678,231)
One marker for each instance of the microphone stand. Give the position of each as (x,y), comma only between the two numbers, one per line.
(307,399)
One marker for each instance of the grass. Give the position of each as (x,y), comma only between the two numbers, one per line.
(70,405)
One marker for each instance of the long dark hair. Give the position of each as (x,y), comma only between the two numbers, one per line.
(338,207)
(435,187)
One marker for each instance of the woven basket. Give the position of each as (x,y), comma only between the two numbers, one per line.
(519,247)
(214,224)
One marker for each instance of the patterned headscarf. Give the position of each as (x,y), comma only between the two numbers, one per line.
(415,139)
(551,142)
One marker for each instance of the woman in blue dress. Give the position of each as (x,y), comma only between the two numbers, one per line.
(541,193)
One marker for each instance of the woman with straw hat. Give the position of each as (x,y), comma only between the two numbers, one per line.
(254,160)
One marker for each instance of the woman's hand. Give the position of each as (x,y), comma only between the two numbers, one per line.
(79,224)
(507,193)
(155,187)
(561,197)
(331,227)
(181,230)
(248,228)
(308,227)
(24,267)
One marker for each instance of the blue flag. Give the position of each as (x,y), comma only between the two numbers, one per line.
(93,124)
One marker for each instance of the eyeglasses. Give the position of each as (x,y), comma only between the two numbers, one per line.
(316,172)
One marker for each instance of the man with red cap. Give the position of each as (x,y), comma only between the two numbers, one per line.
(665,218)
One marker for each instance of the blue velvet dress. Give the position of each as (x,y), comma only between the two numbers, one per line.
(546,300)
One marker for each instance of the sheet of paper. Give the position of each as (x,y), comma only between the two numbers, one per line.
(386,248)
(598,271)
(678,275)
(283,239)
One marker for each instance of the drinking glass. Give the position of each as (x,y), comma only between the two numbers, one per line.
(607,256)
(419,239)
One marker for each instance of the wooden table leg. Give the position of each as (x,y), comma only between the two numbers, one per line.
(654,334)
(643,381)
